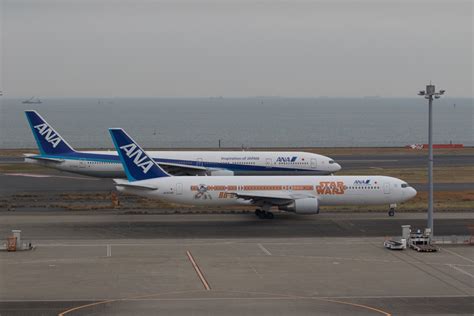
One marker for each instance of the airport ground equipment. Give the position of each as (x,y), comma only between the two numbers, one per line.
(395,244)
(11,243)
(421,241)
(15,243)
(417,240)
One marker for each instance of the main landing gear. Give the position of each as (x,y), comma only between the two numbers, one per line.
(264,214)
(391,211)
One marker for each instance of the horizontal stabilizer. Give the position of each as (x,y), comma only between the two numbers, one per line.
(36,157)
(124,183)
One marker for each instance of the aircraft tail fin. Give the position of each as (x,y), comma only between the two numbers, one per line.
(48,140)
(136,162)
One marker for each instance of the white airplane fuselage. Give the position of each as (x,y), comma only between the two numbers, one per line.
(222,191)
(107,163)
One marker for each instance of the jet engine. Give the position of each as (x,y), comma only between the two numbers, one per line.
(302,206)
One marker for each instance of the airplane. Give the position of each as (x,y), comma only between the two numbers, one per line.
(298,194)
(56,153)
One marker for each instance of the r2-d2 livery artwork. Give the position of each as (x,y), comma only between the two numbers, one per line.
(202,193)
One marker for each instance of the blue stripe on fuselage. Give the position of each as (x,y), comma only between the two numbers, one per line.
(219,165)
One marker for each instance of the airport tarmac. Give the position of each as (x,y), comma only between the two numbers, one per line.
(90,225)
(118,262)
(218,265)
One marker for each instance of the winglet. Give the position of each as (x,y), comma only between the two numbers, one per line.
(48,140)
(136,163)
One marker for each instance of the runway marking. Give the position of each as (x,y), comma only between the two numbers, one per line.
(230,299)
(36,175)
(109,251)
(85,306)
(359,305)
(456,254)
(31,175)
(111,300)
(461,270)
(265,250)
(198,271)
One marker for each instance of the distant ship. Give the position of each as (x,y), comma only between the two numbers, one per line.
(32,100)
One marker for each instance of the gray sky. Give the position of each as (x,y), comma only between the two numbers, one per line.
(235,48)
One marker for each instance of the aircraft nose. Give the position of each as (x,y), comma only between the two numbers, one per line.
(336,167)
(412,193)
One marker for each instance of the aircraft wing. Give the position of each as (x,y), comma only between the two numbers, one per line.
(177,169)
(271,198)
(125,183)
(36,157)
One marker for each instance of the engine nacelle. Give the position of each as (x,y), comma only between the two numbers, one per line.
(220,172)
(302,206)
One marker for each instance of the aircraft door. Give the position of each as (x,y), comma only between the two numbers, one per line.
(82,163)
(179,188)
(314,163)
(268,162)
(386,188)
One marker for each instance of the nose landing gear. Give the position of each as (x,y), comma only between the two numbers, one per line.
(391,211)
(264,214)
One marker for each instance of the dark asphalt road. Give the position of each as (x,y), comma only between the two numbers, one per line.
(89,225)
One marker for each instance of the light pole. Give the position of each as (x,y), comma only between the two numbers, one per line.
(429,94)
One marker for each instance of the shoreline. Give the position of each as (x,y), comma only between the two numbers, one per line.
(12,152)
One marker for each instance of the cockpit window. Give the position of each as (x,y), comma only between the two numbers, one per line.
(405,185)
(331,162)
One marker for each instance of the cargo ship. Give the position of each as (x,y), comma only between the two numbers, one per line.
(32,100)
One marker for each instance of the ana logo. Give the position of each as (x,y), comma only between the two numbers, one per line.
(139,158)
(330,187)
(287,159)
(49,135)
(362,182)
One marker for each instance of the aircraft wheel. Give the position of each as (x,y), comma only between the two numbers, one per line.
(269,215)
(259,213)
(391,212)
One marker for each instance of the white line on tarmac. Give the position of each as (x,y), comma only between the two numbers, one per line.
(198,271)
(265,250)
(462,271)
(456,254)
